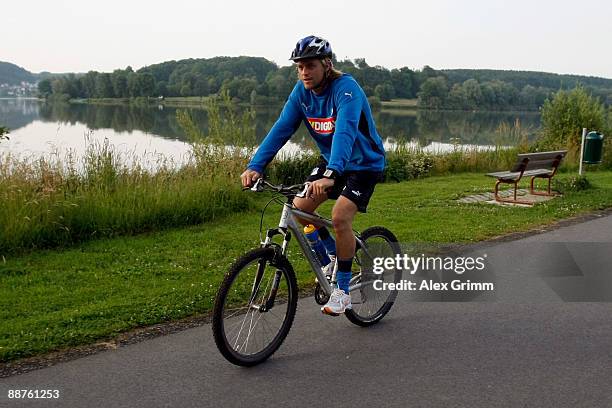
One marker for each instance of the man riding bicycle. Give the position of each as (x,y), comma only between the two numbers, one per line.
(336,112)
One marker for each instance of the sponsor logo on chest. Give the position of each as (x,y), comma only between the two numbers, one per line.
(324,126)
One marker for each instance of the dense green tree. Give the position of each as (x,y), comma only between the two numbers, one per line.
(104,86)
(185,90)
(457,98)
(146,84)
(402,80)
(564,116)
(531,97)
(60,86)
(279,84)
(419,77)
(433,93)
(473,94)
(88,84)
(361,63)
(384,91)
(241,88)
(119,81)
(161,89)
(133,84)
(44,88)
(201,87)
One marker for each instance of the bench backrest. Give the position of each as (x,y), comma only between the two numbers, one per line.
(520,165)
(543,160)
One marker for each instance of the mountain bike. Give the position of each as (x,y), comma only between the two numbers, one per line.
(257,300)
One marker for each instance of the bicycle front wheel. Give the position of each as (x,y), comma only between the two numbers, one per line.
(369,304)
(254,307)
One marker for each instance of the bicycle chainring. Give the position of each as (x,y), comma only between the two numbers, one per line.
(320,297)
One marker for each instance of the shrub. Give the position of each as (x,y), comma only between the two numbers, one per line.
(405,163)
(573,183)
(292,169)
(3,133)
(565,115)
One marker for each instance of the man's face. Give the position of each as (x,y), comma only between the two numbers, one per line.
(311,72)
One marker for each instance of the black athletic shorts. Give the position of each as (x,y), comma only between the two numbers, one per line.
(357,186)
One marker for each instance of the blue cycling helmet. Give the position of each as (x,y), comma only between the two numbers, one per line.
(311,47)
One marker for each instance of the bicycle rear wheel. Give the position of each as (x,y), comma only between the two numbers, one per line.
(254,307)
(371,305)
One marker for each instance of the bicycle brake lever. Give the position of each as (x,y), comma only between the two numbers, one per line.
(257,187)
(303,193)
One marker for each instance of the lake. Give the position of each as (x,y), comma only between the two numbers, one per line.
(42,128)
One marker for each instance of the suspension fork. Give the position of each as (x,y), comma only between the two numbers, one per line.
(270,301)
(279,251)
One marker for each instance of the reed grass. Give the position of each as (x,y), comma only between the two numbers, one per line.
(56,201)
(59,201)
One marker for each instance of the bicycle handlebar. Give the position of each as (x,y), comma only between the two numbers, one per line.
(298,190)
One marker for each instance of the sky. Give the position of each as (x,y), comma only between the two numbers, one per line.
(78,36)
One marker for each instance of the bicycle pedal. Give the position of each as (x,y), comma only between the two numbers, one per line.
(329,314)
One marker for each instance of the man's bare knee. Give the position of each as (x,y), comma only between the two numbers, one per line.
(343,214)
(342,220)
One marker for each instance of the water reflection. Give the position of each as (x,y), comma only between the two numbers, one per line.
(17,113)
(133,125)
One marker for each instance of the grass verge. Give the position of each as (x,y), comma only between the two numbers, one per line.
(400,103)
(60,298)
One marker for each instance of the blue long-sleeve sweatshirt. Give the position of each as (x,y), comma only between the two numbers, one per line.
(339,120)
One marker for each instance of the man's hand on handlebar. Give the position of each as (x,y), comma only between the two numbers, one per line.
(319,187)
(249,177)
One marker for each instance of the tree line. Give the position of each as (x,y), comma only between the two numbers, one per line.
(256,80)
(119,84)
(436,93)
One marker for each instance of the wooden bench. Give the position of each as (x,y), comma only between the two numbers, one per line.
(534,165)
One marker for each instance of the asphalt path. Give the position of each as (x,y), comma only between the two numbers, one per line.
(542,339)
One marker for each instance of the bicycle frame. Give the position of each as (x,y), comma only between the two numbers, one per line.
(289,224)
(243,332)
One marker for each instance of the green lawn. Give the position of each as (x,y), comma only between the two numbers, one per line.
(400,103)
(58,298)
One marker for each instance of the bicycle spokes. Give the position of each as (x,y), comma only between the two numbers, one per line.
(254,308)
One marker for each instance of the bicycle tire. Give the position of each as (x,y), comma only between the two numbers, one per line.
(235,306)
(370,309)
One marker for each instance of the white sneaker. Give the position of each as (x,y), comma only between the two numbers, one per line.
(338,303)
